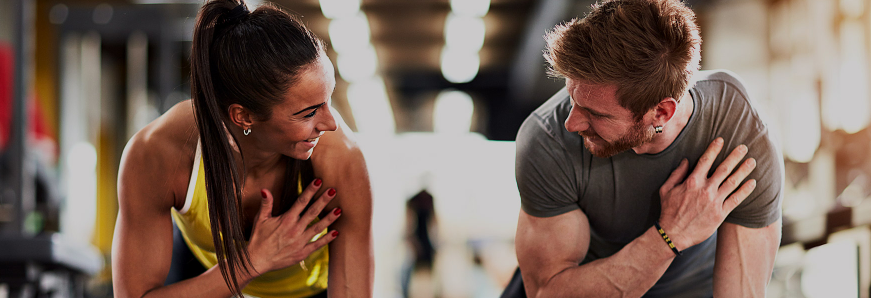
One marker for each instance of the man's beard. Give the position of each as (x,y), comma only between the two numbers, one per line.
(637,135)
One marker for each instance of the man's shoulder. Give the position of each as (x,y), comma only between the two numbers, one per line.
(721,78)
(548,118)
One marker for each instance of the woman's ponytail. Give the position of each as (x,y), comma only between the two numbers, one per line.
(218,158)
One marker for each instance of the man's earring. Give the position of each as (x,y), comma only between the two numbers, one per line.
(657,129)
(247,131)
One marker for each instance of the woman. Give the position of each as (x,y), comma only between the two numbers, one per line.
(235,169)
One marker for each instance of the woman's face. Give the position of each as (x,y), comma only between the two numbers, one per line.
(303,116)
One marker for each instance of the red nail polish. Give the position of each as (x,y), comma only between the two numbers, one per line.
(331,192)
(337,211)
(263,193)
(317,182)
(335,234)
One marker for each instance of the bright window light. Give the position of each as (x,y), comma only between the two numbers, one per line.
(464,32)
(852,8)
(335,9)
(477,8)
(846,105)
(358,65)
(371,106)
(453,112)
(349,34)
(803,135)
(81,204)
(831,270)
(459,66)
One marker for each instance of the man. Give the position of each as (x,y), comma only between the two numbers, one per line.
(594,167)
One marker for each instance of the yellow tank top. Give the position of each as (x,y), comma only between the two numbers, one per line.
(193,222)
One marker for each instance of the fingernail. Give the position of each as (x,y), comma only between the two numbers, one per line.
(719,140)
(331,192)
(335,234)
(337,211)
(318,182)
(743,147)
(263,193)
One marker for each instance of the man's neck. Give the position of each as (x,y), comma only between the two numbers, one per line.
(671,129)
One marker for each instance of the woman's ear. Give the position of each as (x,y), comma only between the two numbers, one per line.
(240,116)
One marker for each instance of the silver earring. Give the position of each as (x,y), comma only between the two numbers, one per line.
(657,129)
(247,131)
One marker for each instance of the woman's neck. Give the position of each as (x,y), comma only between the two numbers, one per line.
(257,161)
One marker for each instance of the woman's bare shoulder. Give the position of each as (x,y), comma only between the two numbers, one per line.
(336,150)
(159,158)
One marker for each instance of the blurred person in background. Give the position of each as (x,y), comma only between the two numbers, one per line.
(601,220)
(244,170)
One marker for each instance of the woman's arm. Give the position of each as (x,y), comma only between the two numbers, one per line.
(142,245)
(339,161)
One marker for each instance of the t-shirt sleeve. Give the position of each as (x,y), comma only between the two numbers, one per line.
(545,175)
(763,206)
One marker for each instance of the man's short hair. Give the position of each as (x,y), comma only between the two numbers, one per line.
(649,49)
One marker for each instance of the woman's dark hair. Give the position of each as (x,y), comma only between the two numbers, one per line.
(250,59)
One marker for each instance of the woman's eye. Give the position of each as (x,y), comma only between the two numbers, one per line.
(312,114)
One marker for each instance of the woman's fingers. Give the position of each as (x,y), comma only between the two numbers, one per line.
(317,207)
(304,198)
(315,245)
(321,225)
(265,204)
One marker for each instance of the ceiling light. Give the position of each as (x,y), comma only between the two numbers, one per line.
(464,32)
(453,112)
(477,8)
(371,106)
(335,9)
(349,34)
(358,65)
(459,66)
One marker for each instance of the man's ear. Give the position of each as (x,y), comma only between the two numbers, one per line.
(664,111)
(240,116)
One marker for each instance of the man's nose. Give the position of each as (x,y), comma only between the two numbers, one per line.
(577,121)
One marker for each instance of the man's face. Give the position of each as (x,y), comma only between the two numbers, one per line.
(607,127)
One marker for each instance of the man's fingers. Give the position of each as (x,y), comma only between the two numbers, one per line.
(265,204)
(676,177)
(728,164)
(707,159)
(735,179)
(316,208)
(303,198)
(322,225)
(736,198)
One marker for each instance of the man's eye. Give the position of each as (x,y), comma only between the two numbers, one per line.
(312,114)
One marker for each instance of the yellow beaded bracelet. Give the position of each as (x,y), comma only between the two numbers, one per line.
(667,240)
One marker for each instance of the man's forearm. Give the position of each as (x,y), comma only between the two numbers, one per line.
(629,273)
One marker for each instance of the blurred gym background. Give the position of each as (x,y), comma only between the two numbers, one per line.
(436,90)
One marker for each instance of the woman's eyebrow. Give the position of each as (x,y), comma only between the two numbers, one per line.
(310,108)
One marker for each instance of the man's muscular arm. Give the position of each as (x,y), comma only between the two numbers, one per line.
(745,259)
(549,249)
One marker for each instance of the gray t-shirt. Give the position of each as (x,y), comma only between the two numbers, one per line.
(620,195)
